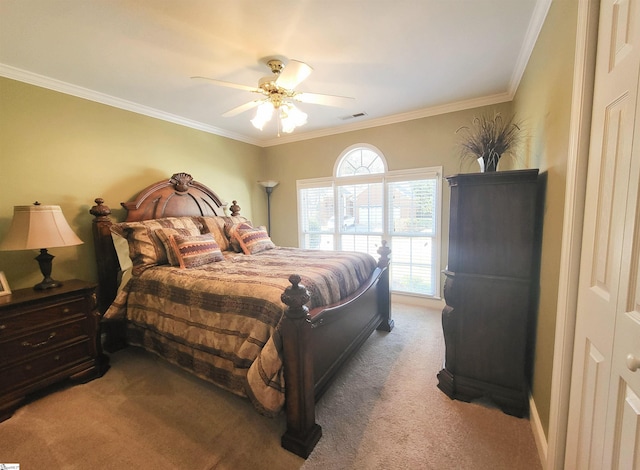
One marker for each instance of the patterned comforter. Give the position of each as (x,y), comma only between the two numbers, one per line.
(221,321)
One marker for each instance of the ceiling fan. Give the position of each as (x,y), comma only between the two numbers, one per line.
(278,92)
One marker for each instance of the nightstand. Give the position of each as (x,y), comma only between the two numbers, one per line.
(46,337)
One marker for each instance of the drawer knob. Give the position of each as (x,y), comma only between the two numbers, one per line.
(633,363)
(66,310)
(2,327)
(27,344)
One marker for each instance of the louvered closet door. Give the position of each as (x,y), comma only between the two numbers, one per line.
(604,413)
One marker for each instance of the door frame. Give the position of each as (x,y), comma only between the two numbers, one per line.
(577,160)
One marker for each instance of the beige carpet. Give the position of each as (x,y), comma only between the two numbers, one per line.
(383,412)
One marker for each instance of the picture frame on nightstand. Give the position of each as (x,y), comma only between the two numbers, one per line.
(4,285)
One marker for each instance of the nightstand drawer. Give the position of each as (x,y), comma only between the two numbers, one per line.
(38,368)
(13,323)
(19,347)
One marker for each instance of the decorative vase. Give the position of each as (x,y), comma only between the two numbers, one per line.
(488,164)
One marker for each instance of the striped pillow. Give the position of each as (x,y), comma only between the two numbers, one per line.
(145,249)
(219,227)
(194,251)
(231,230)
(165,234)
(253,240)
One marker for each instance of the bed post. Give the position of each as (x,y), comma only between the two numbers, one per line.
(302,433)
(235,208)
(108,268)
(106,257)
(383,291)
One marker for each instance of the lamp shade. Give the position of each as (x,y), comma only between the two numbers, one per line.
(268,183)
(38,226)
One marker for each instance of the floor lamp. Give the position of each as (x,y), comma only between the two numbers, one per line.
(268,186)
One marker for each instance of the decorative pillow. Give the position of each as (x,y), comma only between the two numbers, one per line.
(165,234)
(217,226)
(194,251)
(145,249)
(253,240)
(231,232)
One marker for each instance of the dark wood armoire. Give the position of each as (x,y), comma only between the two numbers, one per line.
(490,286)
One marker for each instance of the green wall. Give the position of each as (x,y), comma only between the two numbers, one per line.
(59,149)
(544,98)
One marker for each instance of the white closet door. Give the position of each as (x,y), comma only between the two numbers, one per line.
(604,413)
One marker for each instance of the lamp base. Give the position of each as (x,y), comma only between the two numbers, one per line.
(47,283)
(44,259)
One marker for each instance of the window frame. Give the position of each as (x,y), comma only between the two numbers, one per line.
(351,148)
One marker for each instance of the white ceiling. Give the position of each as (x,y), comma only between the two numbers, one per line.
(399,59)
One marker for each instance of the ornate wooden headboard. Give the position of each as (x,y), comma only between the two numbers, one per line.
(178,196)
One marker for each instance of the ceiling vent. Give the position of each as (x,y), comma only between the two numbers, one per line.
(352,116)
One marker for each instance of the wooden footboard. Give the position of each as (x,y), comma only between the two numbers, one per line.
(315,344)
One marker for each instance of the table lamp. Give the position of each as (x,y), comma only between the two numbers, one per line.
(36,227)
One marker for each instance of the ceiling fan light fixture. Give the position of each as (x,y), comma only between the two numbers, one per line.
(291,117)
(263,115)
(278,90)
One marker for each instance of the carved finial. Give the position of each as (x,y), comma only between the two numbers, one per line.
(235,208)
(384,252)
(295,279)
(181,182)
(295,297)
(100,210)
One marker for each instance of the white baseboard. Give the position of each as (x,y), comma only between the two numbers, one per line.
(420,301)
(538,432)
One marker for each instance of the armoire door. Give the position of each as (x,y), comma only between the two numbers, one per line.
(604,412)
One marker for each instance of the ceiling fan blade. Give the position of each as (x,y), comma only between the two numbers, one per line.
(293,74)
(242,108)
(228,84)
(326,100)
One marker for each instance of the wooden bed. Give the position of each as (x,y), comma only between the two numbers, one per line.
(315,344)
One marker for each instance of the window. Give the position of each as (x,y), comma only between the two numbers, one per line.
(358,160)
(364,203)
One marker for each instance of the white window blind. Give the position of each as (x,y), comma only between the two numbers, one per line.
(412,227)
(316,209)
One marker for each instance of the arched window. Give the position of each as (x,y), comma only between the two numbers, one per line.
(364,203)
(360,159)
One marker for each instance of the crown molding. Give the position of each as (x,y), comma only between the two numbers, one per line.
(31,78)
(394,119)
(533,31)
